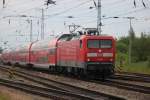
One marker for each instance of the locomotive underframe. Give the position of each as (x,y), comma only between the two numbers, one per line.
(100,68)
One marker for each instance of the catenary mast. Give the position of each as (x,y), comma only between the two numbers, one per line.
(99,24)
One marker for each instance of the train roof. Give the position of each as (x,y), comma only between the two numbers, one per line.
(97,37)
(51,41)
(69,37)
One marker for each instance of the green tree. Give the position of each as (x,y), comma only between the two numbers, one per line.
(141,47)
(122,47)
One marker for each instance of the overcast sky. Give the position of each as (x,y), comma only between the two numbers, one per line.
(16,30)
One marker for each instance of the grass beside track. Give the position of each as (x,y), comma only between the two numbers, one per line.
(139,67)
(4,97)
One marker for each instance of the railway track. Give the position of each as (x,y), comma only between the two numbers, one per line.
(135,74)
(93,95)
(131,78)
(44,92)
(122,85)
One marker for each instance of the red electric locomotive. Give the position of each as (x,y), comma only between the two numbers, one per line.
(86,54)
(69,53)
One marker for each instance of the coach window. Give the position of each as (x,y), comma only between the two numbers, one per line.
(80,43)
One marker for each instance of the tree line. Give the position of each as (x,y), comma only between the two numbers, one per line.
(140,50)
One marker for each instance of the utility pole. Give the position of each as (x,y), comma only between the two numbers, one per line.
(30,30)
(38,29)
(42,25)
(3,3)
(130,39)
(99,23)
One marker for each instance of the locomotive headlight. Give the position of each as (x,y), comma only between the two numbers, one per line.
(91,54)
(111,59)
(88,59)
(107,54)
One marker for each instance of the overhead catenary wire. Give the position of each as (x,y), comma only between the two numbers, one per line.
(114,3)
(9,7)
(58,12)
(129,12)
(29,9)
(64,11)
(79,18)
(84,16)
(132,11)
(118,0)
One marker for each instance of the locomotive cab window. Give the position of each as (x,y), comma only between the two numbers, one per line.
(65,37)
(105,43)
(93,44)
(99,43)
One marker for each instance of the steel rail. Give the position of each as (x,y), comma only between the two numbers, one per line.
(67,87)
(135,74)
(123,85)
(45,92)
(131,78)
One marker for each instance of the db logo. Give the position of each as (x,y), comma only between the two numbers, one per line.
(99,54)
